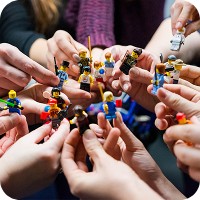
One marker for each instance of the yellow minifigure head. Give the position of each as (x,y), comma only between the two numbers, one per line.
(12,94)
(86,70)
(82,53)
(64,66)
(108,56)
(182,30)
(55,92)
(178,64)
(171,59)
(136,53)
(108,96)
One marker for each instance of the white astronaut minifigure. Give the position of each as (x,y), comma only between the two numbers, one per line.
(178,39)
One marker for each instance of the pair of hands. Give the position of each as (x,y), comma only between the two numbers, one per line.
(181,12)
(27,157)
(179,98)
(119,143)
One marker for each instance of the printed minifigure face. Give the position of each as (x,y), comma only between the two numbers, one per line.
(135,55)
(56,94)
(170,62)
(63,68)
(86,73)
(82,54)
(12,94)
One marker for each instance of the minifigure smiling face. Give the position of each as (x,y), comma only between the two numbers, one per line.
(82,53)
(12,94)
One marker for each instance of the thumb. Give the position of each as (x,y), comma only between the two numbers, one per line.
(176,102)
(93,146)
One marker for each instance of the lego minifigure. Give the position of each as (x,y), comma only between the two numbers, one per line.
(80,119)
(178,64)
(84,60)
(62,73)
(109,64)
(13,104)
(178,39)
(130,60)
(99,73)
(109,106)
(169,68)
(86,79)
(158,79)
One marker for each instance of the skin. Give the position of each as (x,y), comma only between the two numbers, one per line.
(17,179)
(17,70)
(181,12)
(82,182)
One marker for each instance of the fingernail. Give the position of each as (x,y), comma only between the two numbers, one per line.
(125,87)
(88,134)
(179,25)
(76,57)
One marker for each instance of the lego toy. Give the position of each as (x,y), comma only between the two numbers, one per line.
(86,79)
(109,64)
(158,79)
(178,39)
(84,60)
(80,119)
(109,106)
(178,64)
(130,60)
(13,104)
(169,68)
(62,73)
(99,72)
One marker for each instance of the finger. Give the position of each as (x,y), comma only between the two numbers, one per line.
(161,110)
(177,103)
(38,134)
(8,122)
(103,123)
(125,82)
(22,128)
(194,173)
(192,27)
(175,12)
(57,139)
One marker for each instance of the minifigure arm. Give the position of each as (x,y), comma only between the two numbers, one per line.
(85,113)
(73,121)
(105,107)
(80,78)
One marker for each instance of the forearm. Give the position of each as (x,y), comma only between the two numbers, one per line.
(38,51)
(160,43)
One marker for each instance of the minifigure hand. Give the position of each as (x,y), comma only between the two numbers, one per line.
(14,126)
(20,69)
(34,156)
(105,168)
(181,12)
(175,98)
(63,47)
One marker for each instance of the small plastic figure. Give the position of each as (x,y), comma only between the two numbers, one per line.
(130,60)
(99,72)
(13,104)
(80,119)
(178,64)
(86,79)
(178,39)
(109,64)
(109,106)
(158,79)
(169,68)
(84,60)
(62,74)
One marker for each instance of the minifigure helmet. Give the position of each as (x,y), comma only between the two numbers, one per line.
(171,57)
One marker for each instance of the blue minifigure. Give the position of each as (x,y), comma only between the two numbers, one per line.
(158,79)
(62,74)
(109,106)
(15,101)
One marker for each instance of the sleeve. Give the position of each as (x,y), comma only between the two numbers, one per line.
(17,27)
(96,19)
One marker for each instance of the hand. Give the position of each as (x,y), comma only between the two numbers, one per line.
(181,12)
(27,157)
(177,138)
(175,98)
(63,47)
(17,69)
(14,126)
(92,185)
(139,77)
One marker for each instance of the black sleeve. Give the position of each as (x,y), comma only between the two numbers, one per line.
(17,27)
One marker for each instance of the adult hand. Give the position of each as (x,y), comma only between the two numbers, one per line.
(63,47)
(27,157)
(181,12)
(17,70)
(14,126)
(92,185)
